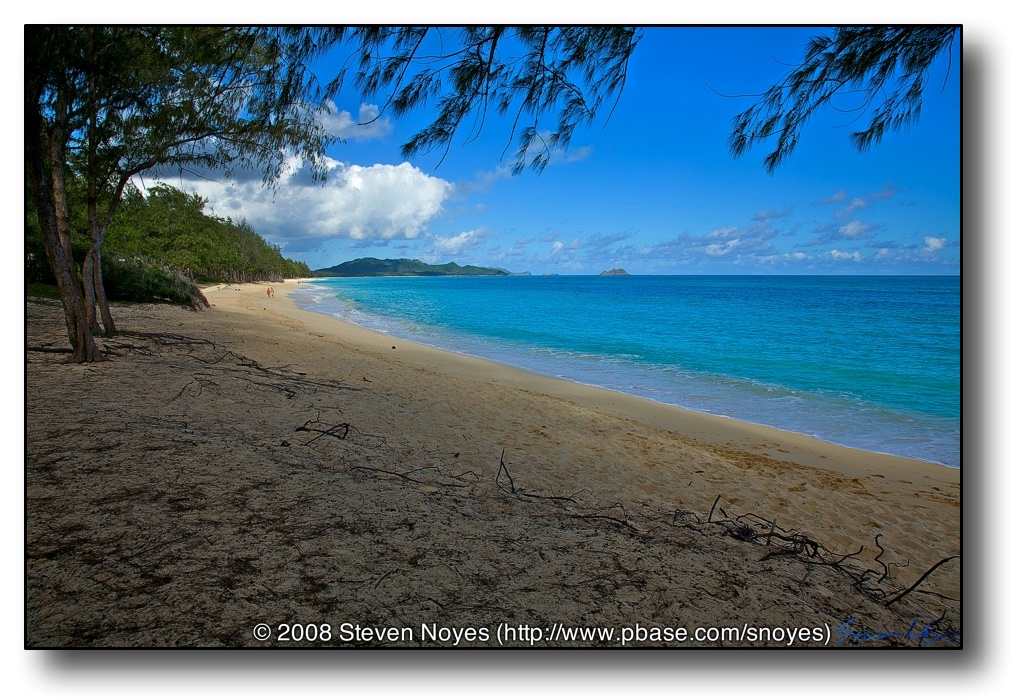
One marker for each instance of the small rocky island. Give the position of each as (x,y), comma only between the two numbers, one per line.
(614,272)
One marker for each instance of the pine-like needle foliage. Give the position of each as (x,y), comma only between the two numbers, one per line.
(885,67)
(530,74)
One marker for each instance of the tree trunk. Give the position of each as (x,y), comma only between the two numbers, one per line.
(94,290)
(57,249)
(89,291)
(58,190)
(103,300)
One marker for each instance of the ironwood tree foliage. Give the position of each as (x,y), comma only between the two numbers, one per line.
(548,80)
(108,103)
(884,68)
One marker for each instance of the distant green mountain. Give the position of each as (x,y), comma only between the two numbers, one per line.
(370,266)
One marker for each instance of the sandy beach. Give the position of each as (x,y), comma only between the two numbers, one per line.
(254,463)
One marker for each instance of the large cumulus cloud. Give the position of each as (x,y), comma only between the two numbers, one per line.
(375,202)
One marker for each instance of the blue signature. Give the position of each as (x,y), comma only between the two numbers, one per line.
(925,634)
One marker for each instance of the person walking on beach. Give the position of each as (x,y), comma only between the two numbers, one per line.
(270,293)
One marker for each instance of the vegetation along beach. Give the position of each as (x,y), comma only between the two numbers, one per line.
(351,355)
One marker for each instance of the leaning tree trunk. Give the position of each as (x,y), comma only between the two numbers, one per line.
(60,261)
(94,292)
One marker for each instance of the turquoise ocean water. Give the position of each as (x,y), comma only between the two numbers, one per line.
(870,362)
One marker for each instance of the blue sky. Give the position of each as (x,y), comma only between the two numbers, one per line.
(654,190)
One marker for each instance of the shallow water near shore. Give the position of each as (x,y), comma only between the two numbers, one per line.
(868,362)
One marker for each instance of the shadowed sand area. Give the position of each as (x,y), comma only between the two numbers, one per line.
(256,463)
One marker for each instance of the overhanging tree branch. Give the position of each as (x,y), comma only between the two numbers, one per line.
(887,65)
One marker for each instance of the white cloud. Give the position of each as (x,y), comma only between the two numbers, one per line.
(770,214)
(483,180)
(378,202)
(720,249)
(854,205)
(886,192)
(932,244)
(723,232)
(836,198)
(845,256)
(366,127)
(854,229)
(577,154)
(453,245)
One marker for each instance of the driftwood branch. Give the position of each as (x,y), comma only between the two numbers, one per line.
(50,350)
(613,519)
(713,508)
(877,558)
(920,580)
(339,431)
(402,476)
(503,469)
